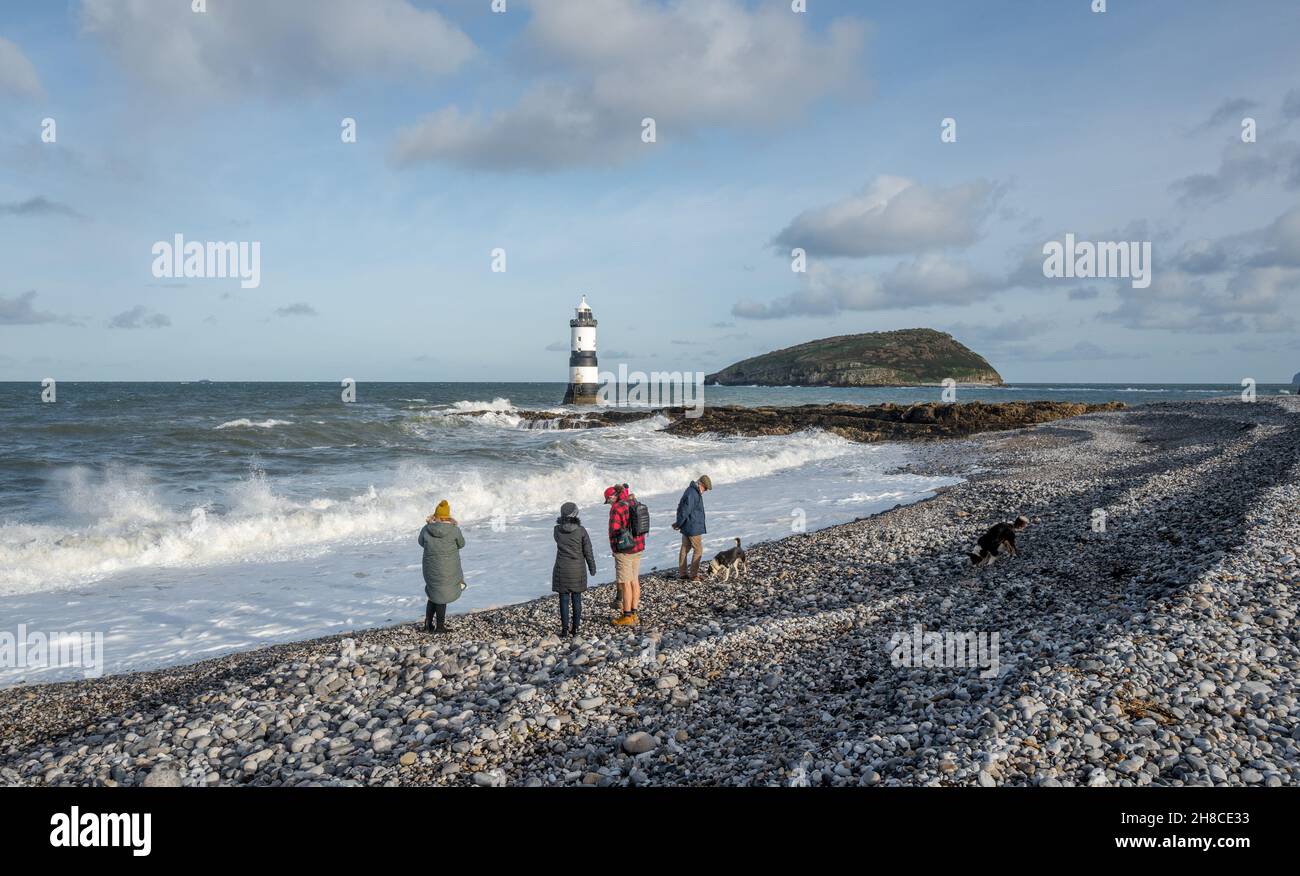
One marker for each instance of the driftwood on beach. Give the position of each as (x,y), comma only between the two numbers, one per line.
(864,423)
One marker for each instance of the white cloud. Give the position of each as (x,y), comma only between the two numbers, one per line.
(21,310)
(1082,351)
(688,64)
(1018,340)
(550,128)
(927,280)
(288,45)
(300,308)
(933,279)
(1221,285)
(38,206)
(1243,166)
(17,75)
(1016,330)
(1281,241)
(697,61)
(825,292)
(1291,106)
(139,317)
(893,215)
(1259,291)
(1175,301)
(1229,113)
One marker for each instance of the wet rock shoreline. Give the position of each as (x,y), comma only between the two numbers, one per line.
(864,423)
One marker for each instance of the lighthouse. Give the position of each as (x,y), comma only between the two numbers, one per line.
(583,377)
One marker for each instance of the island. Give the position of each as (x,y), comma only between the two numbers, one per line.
(906,357)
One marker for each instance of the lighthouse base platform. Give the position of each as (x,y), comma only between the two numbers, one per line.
(581,394)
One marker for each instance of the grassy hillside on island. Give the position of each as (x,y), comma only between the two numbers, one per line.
(906,357)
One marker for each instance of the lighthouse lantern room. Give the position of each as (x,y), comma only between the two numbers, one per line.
(583,374)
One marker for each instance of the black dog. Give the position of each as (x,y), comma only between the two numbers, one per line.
(1003,535)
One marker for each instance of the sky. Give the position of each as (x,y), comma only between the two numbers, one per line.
(523,132)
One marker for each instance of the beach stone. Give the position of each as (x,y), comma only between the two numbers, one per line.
(493,779)
(162,776)
(639,743)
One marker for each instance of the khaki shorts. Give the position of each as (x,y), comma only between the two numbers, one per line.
(627,568)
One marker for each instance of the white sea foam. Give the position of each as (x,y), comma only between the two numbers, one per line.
(501,405)
(499,413)
(245,423)
(128,526)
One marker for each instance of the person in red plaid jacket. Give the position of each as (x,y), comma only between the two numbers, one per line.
(627,549)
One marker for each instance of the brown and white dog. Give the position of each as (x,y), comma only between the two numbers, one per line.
(729,562)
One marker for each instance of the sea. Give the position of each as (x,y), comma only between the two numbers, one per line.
(182,521)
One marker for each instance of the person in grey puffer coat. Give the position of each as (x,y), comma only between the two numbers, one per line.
(444,579)
(573,560)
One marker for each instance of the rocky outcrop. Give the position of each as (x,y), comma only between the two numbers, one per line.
(887,422)
(864,423)
(907,357)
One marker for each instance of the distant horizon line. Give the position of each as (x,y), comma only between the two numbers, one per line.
(202,380)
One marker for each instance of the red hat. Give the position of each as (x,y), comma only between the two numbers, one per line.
(611,494)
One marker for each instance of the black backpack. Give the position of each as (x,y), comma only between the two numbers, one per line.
(639,518)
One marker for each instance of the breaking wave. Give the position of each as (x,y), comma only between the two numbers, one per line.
(126,522)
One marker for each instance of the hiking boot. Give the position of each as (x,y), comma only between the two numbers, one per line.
(441,628)
(625,620)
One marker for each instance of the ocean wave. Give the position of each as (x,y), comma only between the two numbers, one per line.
(245,423)
(500,412)
(864,498)
(503,414)
(500,405)
(260,520)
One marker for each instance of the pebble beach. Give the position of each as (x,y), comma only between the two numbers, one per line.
(1146,636)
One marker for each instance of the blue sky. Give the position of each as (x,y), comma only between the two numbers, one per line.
(522,130)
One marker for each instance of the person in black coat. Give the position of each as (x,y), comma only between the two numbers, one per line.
(573,560)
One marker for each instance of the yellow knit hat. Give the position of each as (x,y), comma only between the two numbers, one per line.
(443,511)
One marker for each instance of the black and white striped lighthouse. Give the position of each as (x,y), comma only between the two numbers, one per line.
(583,376)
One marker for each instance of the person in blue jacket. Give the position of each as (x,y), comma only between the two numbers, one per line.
(690,523)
